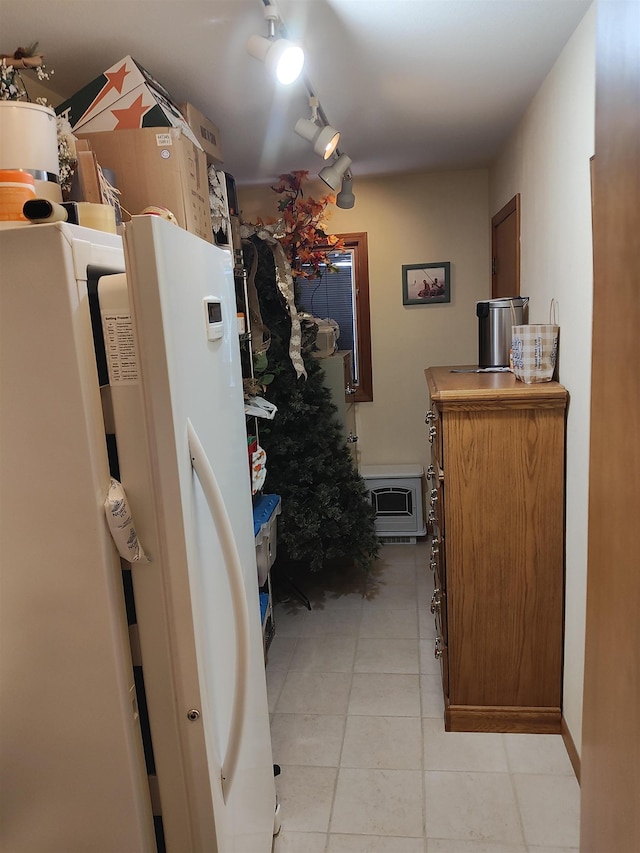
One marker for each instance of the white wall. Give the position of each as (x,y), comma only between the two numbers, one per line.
(547,162)
(410,219)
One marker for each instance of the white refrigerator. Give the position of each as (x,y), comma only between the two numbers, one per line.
(133,708)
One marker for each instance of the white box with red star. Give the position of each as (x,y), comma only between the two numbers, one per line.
(124,97)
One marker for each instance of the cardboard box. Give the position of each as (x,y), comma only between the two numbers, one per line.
(206,133)
(157,166)
(125,97)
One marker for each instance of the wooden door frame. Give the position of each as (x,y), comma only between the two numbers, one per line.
(610,761)
(512,206)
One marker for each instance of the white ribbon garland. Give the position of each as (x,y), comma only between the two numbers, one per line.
(284,280)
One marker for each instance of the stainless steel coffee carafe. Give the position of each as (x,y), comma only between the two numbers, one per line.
(495,319)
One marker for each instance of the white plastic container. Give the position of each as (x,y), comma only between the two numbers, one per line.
(29,142)
(265,528)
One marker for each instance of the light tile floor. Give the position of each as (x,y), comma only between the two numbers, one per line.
(357,728)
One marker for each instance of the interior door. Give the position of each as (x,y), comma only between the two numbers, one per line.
(505,250)
(610,772)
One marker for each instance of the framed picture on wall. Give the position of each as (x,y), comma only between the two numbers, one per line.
(426,284)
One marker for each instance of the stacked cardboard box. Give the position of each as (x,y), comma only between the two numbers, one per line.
(160,167)
(137,132)
(206,133)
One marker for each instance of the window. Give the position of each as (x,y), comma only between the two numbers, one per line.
(343,296)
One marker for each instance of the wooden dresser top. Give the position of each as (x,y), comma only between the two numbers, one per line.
(455,389)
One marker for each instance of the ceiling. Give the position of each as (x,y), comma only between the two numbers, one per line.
(411,84)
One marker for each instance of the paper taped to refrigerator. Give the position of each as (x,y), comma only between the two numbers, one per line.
(120,347)
(121,524)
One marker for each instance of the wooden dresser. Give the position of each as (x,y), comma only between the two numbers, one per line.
(495,502)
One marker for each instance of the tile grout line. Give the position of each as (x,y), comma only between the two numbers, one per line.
(513,789)
(420,582)
(344,732)
(425,843)
(286,674)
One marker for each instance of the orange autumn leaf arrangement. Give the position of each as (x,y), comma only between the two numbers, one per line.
(304,237)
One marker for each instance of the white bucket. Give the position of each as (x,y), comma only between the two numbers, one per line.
(29,142)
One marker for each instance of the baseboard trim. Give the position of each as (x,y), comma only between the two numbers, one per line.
(489,718)
(574,756)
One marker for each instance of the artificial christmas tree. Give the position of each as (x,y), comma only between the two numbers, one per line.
(326,513)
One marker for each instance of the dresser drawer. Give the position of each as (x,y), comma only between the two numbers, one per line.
(438,607)
(434,435)
(435,501)
(441,652)
(436,561)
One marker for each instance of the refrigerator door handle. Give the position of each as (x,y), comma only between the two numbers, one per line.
(215,502)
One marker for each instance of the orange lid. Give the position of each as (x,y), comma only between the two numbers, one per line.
(15,176)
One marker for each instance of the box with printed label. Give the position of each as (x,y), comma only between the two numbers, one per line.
(206,133)
(126,96)
(160,167)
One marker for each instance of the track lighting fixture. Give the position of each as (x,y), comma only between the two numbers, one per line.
(345,198)
(323,137)
(286,60)
(280,56)
(332,174)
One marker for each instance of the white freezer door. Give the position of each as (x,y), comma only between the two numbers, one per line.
(182,300)
(72,773)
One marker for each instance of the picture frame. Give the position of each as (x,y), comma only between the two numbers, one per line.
(426,284)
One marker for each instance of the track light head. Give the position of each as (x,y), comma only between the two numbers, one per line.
(281,57)
(323,138)
(345,198)
(332,174)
